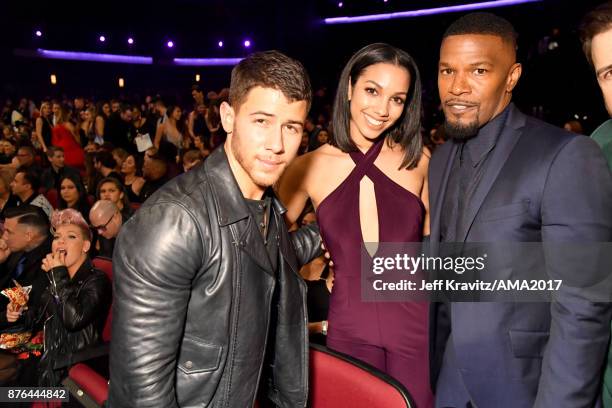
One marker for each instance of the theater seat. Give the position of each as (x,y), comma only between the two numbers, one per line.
(52,197)
(338,380)
(84,383)
(106,266)
(87,386)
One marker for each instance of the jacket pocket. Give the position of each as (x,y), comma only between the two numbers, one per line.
(198,356)
(504,211)
(528,344)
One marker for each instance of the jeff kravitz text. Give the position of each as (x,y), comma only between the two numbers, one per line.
(478,285)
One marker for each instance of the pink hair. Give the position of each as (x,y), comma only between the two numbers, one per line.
(70,216)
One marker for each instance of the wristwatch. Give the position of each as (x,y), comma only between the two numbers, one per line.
(324,327)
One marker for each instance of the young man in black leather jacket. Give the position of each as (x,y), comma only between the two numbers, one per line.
(209,306)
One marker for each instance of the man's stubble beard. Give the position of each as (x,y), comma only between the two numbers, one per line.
(248,168)
(461,133)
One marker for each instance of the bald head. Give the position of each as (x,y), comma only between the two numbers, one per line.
(106,218)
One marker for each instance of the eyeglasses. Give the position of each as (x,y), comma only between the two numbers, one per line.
(102,228)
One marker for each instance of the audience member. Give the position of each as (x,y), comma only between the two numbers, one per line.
(25,186)
(74,307)
(73,194)
(7,200)
(26,159)
(574,126)
(197,123)
(200,143)
(131,179)
(44,126)
(190,159)
(119,130)
(319,278)
(105,165)
(119,155)
(52,175)
(313,130)
(102,113)
(65,135)
(106,219)
(7,152)
(154,171)
(111,189)
(172,131)
(24,243)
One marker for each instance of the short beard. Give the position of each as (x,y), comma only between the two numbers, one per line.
(461,133)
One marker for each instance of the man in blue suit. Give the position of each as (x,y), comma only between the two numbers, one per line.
(507,177)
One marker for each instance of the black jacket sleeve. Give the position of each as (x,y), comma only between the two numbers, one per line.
(307,243)
(157,255)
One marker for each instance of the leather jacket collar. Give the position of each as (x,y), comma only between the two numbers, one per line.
(228,197)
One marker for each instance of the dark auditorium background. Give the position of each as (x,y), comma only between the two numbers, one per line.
(557,82)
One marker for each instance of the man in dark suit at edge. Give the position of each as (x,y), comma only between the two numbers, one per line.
(507,177)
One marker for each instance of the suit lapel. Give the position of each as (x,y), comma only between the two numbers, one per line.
(505,144)
(438,182)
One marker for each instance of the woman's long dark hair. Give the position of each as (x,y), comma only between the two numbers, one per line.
(181,126)
(407,130)
(82,204)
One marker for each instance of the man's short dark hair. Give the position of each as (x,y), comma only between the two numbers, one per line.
(483,23)
(30,215)
(106,158)
(29,149)
(51,150)
(595,22)
(30,177)
(124,107)
(270,69)
(159,100)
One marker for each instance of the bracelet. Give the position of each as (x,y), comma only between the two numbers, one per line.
(324,327)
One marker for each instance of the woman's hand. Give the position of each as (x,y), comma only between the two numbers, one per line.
(53,260)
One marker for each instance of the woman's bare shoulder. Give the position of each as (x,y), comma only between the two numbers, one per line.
(312,165)
(423,165)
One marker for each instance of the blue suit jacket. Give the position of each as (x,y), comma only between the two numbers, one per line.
(541,184)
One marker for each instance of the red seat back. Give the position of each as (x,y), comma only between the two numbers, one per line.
(51,195)
(106,266)
(337,380)
(90,382)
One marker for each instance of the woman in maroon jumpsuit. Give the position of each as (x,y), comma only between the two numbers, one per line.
(370,185)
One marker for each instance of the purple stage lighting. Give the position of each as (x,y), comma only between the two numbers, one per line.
(247,43)
(210,62)
(38,33)
(130,41)
(340,4)
(102,38)
(426,12)
(170,44)
(90,56)
(220,44)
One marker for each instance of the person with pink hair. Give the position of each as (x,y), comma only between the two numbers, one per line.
(76,302)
